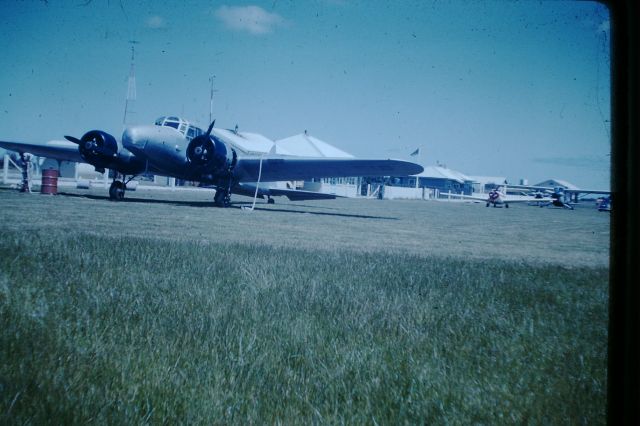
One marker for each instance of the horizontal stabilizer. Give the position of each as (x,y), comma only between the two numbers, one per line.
(249,189)
(300,195)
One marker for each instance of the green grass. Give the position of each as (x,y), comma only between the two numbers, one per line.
(101,323)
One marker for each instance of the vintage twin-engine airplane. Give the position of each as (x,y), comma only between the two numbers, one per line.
(173,147)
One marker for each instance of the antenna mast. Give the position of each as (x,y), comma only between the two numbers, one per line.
(211,80)
(131,87)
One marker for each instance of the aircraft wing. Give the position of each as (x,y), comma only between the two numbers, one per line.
(301,195)
(587,191)
(285,168)
(565,190)
(511,200)
(58,150)
(502,199)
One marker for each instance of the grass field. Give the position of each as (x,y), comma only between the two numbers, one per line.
(161,309)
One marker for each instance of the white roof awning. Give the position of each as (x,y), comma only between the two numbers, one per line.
(304,145)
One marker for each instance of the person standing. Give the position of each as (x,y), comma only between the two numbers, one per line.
(24,164)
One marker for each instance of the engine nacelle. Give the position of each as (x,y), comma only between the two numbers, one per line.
(208,154)
(98,148)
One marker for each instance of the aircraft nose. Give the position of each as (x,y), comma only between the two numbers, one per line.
(134,137)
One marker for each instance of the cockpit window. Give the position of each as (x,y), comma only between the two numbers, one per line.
(193,132)
(187,129)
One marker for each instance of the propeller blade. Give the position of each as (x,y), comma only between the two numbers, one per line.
(210,127)
(72,139)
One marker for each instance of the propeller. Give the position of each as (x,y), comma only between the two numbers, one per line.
(73,139)
(96,147)
(211,127)
(210,153)
(201,148)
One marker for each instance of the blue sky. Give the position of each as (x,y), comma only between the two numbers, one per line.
(514,89)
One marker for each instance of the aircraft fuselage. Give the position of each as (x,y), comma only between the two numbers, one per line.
(161,148)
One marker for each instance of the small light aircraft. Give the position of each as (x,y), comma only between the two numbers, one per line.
(543,196)
(498,197)
(174,147)
(557,200)
(571,194)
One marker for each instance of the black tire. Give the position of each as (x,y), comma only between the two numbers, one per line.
(117,190)
(221,199)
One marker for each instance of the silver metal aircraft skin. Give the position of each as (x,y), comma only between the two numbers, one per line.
(173,147)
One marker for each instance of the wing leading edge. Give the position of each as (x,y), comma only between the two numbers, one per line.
(58,150)
(277,169)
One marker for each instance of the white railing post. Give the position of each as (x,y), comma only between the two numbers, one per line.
(5,170)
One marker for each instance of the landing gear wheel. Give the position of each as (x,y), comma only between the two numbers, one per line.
(116,190)
(506,206)
(222,198)
(487,205)
(271,201)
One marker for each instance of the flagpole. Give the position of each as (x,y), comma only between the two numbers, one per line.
(417,153)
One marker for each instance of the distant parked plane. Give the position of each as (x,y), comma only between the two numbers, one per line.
(557,200)
(174,147)
(569,193)
(498,197)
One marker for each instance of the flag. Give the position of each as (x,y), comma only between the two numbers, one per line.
(416,152)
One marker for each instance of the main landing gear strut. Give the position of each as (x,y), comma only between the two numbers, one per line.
(118,187)
(223,195)
(222,198)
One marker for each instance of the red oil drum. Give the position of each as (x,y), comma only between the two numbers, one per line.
(49,182)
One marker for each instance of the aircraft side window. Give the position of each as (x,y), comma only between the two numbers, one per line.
(191,133)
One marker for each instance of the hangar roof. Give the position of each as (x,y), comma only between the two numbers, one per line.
(305,145)
(557,182)
(439,172)
(302,145)
(484,180)
(247,143)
